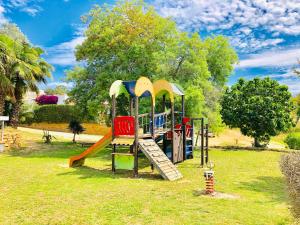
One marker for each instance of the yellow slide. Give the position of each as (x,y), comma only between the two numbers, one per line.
(78,160)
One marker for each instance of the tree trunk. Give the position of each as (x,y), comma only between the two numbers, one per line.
(14,122)
(256,142)
(2,104)
(74,138)
(16,107)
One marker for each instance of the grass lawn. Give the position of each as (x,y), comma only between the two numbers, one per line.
(37,187)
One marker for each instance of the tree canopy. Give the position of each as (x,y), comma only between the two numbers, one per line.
(296,112)
(131,40)
(58,90)
(261,108)
(21,68)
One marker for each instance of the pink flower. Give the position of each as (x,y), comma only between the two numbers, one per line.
(46,99)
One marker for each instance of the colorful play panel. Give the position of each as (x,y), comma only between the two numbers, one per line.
(165,138)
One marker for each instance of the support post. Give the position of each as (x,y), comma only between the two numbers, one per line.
(182,107)
(206,143)
(113,115)
(164,102)
(113,168)
(172,131)
(164,108)
(136,136)
(202,141)
(152,118)
(183,128)
(131,105)
(192,134)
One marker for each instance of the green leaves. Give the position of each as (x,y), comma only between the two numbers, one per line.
(21,67)
(131,40)
(260,108)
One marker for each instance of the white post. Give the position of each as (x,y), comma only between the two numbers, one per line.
(2,119)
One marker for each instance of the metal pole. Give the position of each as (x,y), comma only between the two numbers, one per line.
(182,107)
(164,108)
(152,118)
(202,141)
(131,106)
(172,131)
(206,143)
(113,115)
(136,136)
(183,128)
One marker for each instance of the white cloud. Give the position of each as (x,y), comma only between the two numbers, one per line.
(293,84)
(252,44)
(287,74)
(2,17)
(236,19)
(32,11)
(63,53)
(30,7)
(277,58)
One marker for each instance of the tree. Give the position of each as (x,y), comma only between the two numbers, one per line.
(76,128)
(21,69)
(261,108)
(130,40)
(58,90)
(220,59)
(7,58)
(296,112)
(14,32)
(29,70)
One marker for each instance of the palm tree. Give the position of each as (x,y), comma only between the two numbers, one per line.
(28,70)
(76,128)
(7,57)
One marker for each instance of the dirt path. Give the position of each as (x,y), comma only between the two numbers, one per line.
(79,138)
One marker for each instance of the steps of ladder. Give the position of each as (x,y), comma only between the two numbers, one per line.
(160,161)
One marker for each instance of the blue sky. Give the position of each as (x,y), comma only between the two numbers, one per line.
(266,34)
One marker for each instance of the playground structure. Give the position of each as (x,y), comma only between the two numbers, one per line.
(165,138)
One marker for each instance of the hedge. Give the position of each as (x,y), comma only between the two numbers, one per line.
(293,140)
(54,114)
(290,167)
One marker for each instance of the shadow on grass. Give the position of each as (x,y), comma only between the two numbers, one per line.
(271,187)
(86,172)
(66,150)
(56,150)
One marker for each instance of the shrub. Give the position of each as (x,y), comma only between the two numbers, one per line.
(76,128)
(46,99)
(293,140)
(290,167)
(54,114)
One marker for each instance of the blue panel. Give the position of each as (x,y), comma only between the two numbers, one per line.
(130,85)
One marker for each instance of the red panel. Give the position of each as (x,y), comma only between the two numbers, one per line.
(124,126)
(186,120)
(188,127)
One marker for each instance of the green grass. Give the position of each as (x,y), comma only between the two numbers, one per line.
(38,188)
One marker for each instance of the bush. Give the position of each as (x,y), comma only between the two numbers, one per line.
(46,99)
(293,140)
(290,167)
(55,114)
